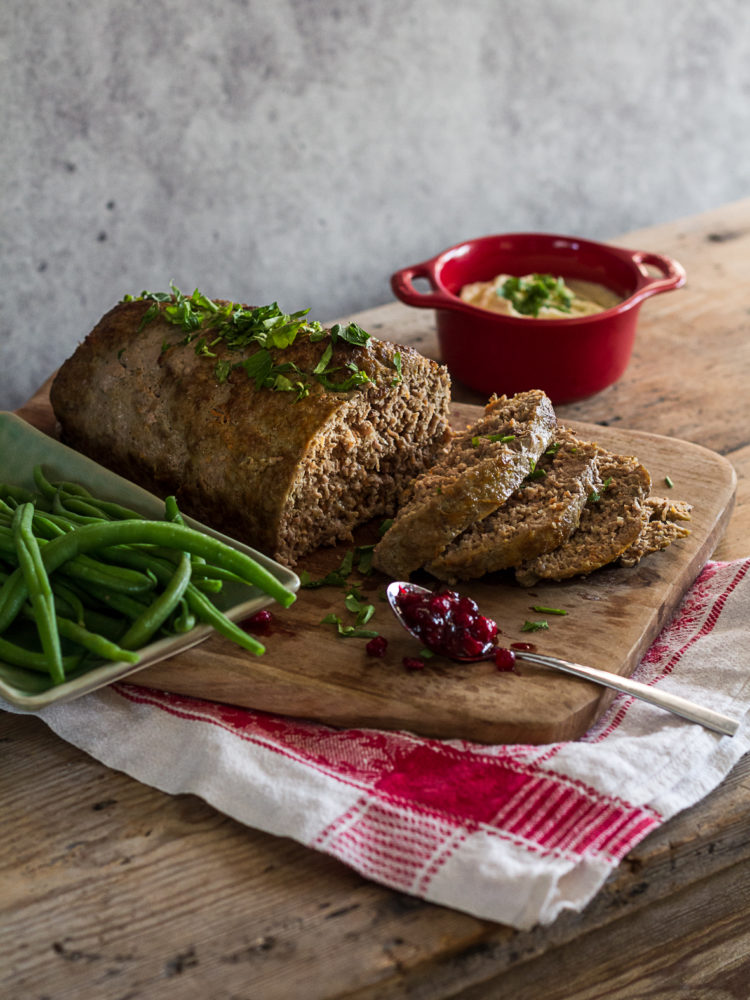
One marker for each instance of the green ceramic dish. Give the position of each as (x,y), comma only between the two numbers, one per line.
(21,448)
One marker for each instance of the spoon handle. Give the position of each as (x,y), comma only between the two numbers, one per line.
(714,721)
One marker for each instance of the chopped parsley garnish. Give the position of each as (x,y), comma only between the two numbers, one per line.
(348,631)
(596,495)
(668,482)
(362,609)
(535,472)
(529,295)
(492,438)
(398,377)
(206,325)
(534,626)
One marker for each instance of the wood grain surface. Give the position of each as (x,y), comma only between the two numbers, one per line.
(110,889)
(611,618)
(613,615)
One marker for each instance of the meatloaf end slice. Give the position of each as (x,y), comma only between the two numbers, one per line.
(543,512)
(484,465)
(612,520)
(664,526)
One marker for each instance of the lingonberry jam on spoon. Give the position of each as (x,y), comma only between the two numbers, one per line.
(452,626)
(446,622)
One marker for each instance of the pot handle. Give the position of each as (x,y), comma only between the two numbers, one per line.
(671,273)
(402,283)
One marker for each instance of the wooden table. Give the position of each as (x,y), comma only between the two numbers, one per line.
(111,889)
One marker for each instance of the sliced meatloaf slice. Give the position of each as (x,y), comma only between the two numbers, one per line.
(664,526)
(611,521)
(484,465)
(542,513)
(287,466)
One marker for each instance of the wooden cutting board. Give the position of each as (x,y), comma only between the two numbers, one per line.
(613,616)
(309,671)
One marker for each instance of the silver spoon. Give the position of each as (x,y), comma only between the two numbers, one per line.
(706,717)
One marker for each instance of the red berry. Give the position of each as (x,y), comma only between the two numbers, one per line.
(467,605)
(413,663)
(505,659)
(472,646)
(262,617)
(377,646)
(484,629)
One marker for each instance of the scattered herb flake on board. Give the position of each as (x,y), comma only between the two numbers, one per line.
(348,631)
(668,482)
(548,611)
(362,609)
(364,559)
(534,626)
(336,578)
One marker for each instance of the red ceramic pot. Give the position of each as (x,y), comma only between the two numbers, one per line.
(569,358)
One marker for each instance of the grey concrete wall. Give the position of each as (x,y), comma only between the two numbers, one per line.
(302,151)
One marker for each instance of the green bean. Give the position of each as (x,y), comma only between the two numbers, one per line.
(74,510)
(20,656)
(113,511)
(84,567)
(153,618)
(70,599)
(19,494)
(202,608)
(207,612)
(37,584)
(124,604)
(49,526)
(93,536)
(184,620)
(142,558)
(172,513)
(100,574)
(48,489)
(108,556)
(80,500)
(25,680)
(96,644)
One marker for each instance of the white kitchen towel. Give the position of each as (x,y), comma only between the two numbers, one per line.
(516,834)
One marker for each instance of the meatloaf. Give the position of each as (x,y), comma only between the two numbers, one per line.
(286,458)
(663,526)
(612,520)
(484,465)
(542,514)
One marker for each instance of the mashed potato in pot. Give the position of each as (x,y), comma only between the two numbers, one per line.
(539,296)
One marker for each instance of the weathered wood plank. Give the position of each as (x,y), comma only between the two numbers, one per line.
(110,889)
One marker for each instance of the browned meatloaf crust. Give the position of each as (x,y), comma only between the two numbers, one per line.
(285,476)
(484,465)
(542,513)
(611,521)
